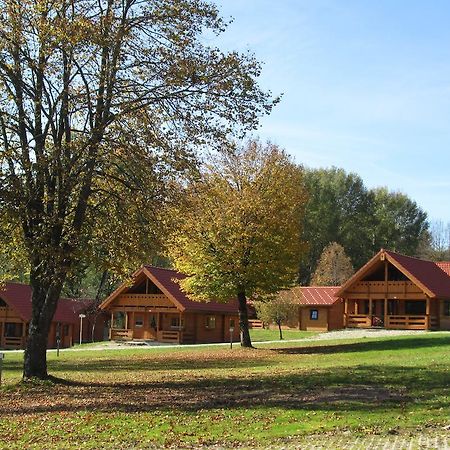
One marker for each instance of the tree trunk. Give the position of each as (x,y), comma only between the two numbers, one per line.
(279,329)
(243,321)
(44,302)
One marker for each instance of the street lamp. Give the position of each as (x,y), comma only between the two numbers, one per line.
(81,316)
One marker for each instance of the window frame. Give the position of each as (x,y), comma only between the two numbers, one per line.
(312,313)
(210,322)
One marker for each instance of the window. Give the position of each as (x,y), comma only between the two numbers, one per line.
(447,308)
(13,329)
(415,307)
(210,322)
(138,321)
(119,320)
(65,330)
(176,324)
(314,314)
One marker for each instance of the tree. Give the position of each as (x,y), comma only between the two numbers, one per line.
(334,267)
(339,209)
(400,224)
(100,103)
(276,310)
(237,232)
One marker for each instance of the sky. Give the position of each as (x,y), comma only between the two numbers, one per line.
(365,84)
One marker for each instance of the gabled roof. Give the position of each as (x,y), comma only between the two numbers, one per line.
(445,266)
(166,280)
(18,297)
(432,279)
(313,295)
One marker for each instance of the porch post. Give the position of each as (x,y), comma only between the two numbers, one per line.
(370,311)
(427,312)
(345,312)
(111,325)
(385,311)
(126,320)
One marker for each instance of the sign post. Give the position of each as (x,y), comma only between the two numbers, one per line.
(81,316)
(231,336)
(2,355)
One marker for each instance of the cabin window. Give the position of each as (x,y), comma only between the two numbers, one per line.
(415,308)
(175,323)
(210,322)
(13,329)
(447,308)
(314,314)
(3,304)
(65,330)
(139,322)
(119,320)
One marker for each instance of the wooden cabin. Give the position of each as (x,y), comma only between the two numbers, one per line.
(15,315)
(397,291)
(153,307)
(318,308)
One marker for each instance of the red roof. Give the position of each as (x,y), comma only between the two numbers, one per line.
(318,295)
(167,278)
(428,273)
(445,266)
(312,295)
(18,297)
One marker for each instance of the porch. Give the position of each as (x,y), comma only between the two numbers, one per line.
(148,317)
(12,330)
(391,313)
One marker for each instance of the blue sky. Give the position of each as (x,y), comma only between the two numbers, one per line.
(366,87)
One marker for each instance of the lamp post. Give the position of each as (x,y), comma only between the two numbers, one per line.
(81,316)
(231,336)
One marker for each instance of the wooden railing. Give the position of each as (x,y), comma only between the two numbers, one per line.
(254,323)
(402,322)
(118,334)
(148,300)
(409,322)
(169,336)
(13,342)
(358,321)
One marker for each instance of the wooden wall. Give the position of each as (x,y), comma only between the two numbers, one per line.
(321,324)
(444,321)
(336,316)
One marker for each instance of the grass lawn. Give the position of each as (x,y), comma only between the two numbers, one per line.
(261,335)
(276,394)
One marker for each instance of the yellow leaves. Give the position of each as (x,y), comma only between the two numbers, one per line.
(240,224)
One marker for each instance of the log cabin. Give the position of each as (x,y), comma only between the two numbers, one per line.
(153,307)
(397,291)
(15,315)
(318,308)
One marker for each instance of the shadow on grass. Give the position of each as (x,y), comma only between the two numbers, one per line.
(146,362)
(383,345)
(333,390)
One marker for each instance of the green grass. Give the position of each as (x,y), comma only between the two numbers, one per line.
(261,335)
(213,395)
